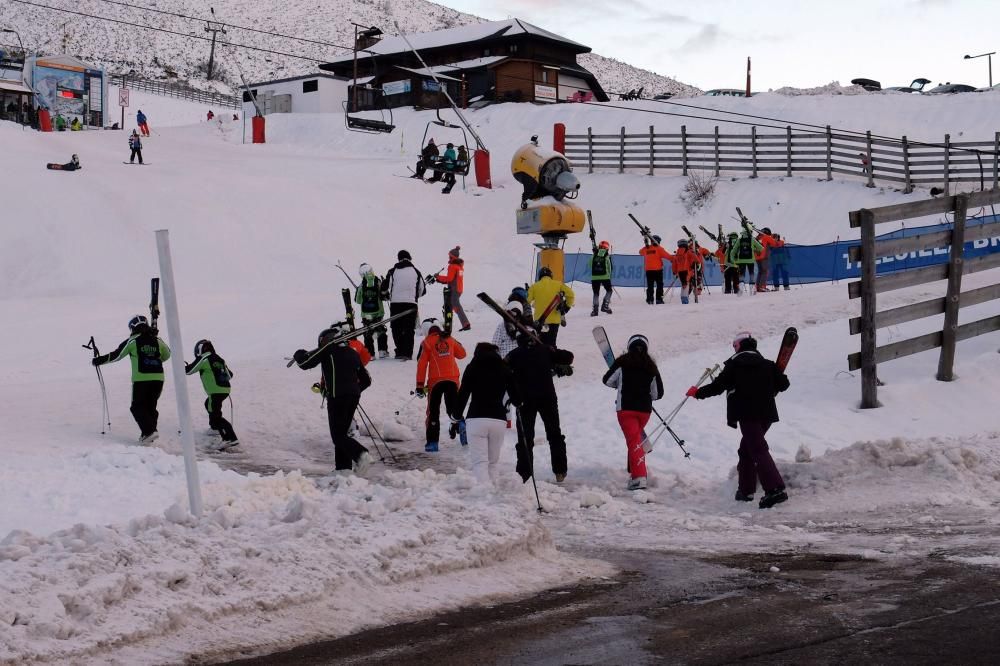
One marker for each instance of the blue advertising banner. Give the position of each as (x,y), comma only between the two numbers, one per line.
(805,263)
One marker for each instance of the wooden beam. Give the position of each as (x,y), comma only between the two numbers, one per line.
(930,207)
(946,363)
(869,371)
(926,342)
(934,306)
(915,276)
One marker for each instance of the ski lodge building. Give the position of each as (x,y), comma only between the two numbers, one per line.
(504,61)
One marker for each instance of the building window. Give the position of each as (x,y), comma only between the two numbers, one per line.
(486,53)
(513,48)
(310,86)
(545,76)
(248,96)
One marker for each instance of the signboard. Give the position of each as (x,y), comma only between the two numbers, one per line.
(396,87)
(123,97)
(545,93)
(431,85)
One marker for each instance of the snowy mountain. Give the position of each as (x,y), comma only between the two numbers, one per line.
(120,47)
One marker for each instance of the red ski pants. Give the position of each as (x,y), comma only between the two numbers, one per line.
(632,424)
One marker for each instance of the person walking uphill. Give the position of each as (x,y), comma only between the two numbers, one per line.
(455,279)
(685,266)
(486,381)
(215,378)
(368,296)
(147,353)
(638,381)
(766,242)
(751,382)
(437,377)
(344,379)
(742,254)
(779,263)
(601,270)
(653,255)
(541,294)
(402,287)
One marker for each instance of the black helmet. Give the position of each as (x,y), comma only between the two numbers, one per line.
(544,271)
(403,254)
(766,230)
(335,331)
(638,341)
(682,242)
(76,158)
(203,347)
(136,321)
(656,239)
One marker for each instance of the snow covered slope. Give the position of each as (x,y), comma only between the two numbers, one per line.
(121,48)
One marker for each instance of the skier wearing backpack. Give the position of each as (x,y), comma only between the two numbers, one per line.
(743,255)
(135,144)
(653,255)
(215,379)
(601,270)
(751,383)
(402,287)
(638,381)
(541,294)
(147,353)
(344,379)
(368,296)
(437,377)
(455,279)
(685,264)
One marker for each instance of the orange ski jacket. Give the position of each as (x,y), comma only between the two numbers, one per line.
(653,256)
(436,360)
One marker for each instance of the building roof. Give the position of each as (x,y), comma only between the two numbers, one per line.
(461,35)
(303,77)
(14,86)
(427,71)
(64,62)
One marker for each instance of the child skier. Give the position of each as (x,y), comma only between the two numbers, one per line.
(369,298)
(215,378)
(147,353)
(600,276)
(751,382)
(685,264)
(135,144)
(455,279)
(448,161)
(638,381)
(437,377)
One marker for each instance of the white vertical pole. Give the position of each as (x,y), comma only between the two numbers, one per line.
(177,365)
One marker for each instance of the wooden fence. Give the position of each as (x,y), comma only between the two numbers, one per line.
(178,91)
(870,285)
(820,153)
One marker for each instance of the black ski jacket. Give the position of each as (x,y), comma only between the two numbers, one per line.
(486,380)
(637,386)
(751,382)
(532,364)
(343,373)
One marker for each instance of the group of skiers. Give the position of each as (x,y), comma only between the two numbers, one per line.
(444,166)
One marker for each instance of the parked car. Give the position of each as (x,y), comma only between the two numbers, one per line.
(663,96)
(725,92)
(870,85)
(951,88)
(916,87)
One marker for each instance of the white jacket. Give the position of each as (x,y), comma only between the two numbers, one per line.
(403,284)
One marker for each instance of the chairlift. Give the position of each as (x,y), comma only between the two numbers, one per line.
(458,168)
(358,123)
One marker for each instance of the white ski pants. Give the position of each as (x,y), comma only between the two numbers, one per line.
(485,441)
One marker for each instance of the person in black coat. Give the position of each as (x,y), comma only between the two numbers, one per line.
(751,382)
(344,378)
(486,381)
(533,365)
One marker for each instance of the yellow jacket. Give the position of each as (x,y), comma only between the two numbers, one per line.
(541,294)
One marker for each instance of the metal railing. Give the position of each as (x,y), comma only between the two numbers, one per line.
(177,91)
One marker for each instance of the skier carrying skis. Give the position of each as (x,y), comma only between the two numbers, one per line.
(428,157)
(369,299)
(541,294)
(486,381)
(520,295)
(147,353)
(779,262)
(684,265)
(638,381)
(135,144)
(344,379)
(533,365)
(402,287)
(600,275)
(653,255)
(215,378)
(751,382)
(437,377)
(140,120)
(455,279)
(731,272)
(742,253)
(766,242)
(505,335)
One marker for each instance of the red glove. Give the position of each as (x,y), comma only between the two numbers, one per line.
(691,392)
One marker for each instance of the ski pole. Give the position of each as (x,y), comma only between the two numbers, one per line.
(346,275)
(704,375)
(531,459)
(384,443)
(368,427)
(413,396)
(105,411)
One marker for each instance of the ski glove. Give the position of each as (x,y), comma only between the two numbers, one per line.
(300,356)
(96,361)
(421,392)
(692,392)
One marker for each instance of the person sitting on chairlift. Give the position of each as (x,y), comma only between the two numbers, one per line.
(448,161)
(428,156)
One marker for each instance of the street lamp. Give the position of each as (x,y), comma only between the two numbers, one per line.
(16,34)
(989,59)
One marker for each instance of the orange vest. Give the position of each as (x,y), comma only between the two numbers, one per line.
(436,360)
(653,256)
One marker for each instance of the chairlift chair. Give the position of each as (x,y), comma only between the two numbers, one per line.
(358,123)
(458,168)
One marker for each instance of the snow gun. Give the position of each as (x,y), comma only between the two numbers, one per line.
(549,183)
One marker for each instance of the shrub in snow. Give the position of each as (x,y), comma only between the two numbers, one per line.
(698,190)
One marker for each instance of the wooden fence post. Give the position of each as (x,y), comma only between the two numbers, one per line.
(996,160)
(684,150)
(908,186)
(946,362)
(717,150)
(947,164)
(621,153)
(869,371)
(871,165)
(590,150)
(829,153)
(652,153)
(788,144)
(753,150)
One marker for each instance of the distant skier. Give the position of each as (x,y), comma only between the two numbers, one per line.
(402,287)
(684,265)
(454,278)
(541,294)
(653,255)
(766,242)
(147,353)
(72,165)
(751,382)
(486,381)
(369,299)
(601,270)
(779,263)
(729,260)
(743,253)
(428,157)
(437,377)
(344,379)
(638,381)
(140,119)
(215,379)
(209,116)
(135,144)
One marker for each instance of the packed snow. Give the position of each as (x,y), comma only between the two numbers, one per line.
(100,561)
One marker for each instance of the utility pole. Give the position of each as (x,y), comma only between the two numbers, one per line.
(215,29)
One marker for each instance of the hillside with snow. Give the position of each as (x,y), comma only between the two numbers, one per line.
(159,55)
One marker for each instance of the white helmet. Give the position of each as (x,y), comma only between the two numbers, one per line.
(365,269)
(740,337)
(428,325)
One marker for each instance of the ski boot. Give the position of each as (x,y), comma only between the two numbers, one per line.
(431,447)
(362,463)
(593,312)
(743,497)
(684,300)
(773,497)
(638,483)
(383,354)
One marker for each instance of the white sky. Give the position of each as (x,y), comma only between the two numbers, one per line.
(801,43)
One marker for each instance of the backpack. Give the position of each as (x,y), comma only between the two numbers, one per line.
(599,265)
(370,295)
(745,248)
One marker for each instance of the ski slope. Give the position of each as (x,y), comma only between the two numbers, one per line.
(99,561)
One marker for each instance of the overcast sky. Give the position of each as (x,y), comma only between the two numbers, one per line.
(802,43)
